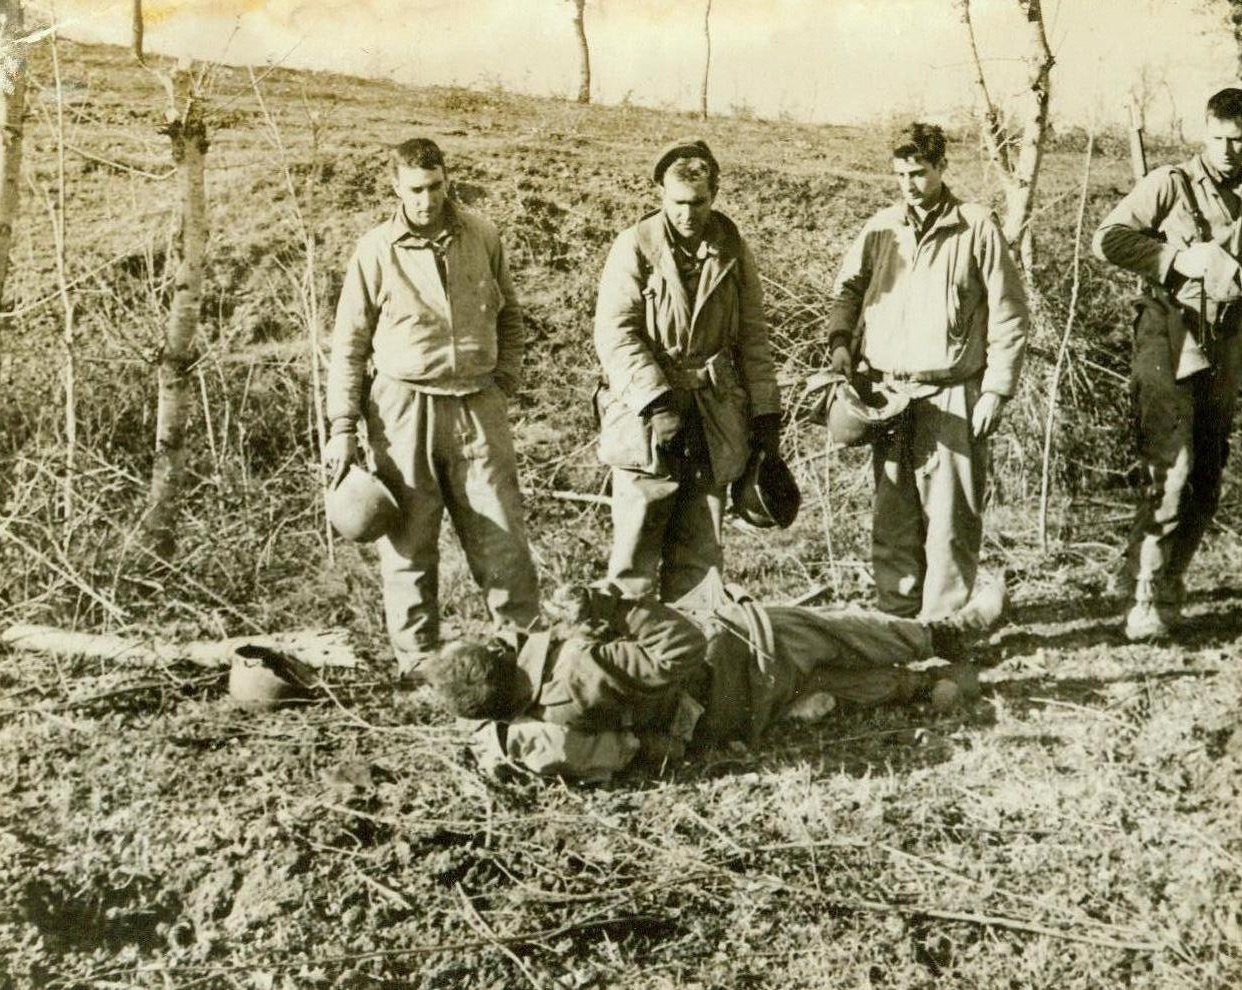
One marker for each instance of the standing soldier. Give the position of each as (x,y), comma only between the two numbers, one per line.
(690,386)
(428,301)
(1178,228)
(929,296)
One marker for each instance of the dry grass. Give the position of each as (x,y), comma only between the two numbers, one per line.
(1078,828)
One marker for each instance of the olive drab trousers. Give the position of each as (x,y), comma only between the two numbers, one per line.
(665,533)
(451,452)
(667,524)
(928,525)
(1183,441)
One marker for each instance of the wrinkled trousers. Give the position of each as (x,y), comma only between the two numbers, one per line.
(451,452)
(1183,440)
(927,530)
(666,532)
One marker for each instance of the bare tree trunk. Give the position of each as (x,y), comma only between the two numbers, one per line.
(1019,168)
(584,53)
(994,134)
(1045,475)
(1235,18)
(187,133)
(58,213)
(12,129)
(137,29)
(707,60)
(1020,196)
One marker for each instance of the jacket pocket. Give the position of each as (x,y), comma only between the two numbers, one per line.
(725,410)
(625,438)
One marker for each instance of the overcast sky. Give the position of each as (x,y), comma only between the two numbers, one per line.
(821,60)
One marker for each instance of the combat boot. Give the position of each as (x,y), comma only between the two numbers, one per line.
(1144,621)
(952,635)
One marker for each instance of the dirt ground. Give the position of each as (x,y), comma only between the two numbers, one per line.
(1077,828)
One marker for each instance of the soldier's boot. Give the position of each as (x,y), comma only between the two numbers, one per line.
(1156,612)
(952,635)
(1144,621)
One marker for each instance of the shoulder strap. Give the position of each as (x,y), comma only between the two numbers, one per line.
(647,248)
(1187,192)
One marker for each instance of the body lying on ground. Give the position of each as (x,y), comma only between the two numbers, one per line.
(633,675)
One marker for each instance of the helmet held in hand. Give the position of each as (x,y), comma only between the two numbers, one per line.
(361,507)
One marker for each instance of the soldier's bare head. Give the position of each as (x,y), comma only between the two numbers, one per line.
(922,141)
(919,164)
(415,153)
(419,180)
(688,189)
(1222,142)
(474,678)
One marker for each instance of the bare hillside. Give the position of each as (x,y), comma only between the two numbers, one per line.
(1077,828)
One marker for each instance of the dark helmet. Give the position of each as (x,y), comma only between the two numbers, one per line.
(766,494)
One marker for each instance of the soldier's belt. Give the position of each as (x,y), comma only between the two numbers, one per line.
(689,378)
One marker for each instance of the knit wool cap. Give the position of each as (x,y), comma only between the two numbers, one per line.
(682,148)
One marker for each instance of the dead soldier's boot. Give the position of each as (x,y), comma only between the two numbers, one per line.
(952,635)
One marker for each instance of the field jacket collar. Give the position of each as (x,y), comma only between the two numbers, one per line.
(400,232)
(720,251)
(947,214)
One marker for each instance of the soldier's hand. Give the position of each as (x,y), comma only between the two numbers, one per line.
(1192,262)
(987,414)
(339,453)
(665,421)
(765,433)
(841,361)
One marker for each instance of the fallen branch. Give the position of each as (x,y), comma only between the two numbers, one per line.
(568,496)
(316,648)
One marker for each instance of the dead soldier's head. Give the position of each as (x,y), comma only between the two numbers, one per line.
(475,678)
(1222,141)
(919,164)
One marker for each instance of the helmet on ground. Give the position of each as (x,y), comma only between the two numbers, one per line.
(261,678)
(855,419)
(766,494)
(360,506)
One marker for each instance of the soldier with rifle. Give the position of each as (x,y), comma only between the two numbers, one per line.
(1179,229)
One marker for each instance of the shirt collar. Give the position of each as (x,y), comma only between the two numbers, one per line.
(938,209)
(400,232)
(1201,170)
(709,246)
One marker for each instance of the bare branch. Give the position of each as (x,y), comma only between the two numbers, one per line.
(994,133)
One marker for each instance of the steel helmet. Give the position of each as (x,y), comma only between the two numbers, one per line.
(766,494)
(360,506)
(262,678)
(855,419)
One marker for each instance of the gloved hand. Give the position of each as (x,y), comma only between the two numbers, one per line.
(1192,261)
(339,453)
(765,433)
(665,420)
(841,361)
(987,415)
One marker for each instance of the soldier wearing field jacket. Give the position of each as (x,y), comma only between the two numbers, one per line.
(428,304)
(1179,229)
(581,700)
(929,296)
(690,386)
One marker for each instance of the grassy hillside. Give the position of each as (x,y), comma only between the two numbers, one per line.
(1077,828)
